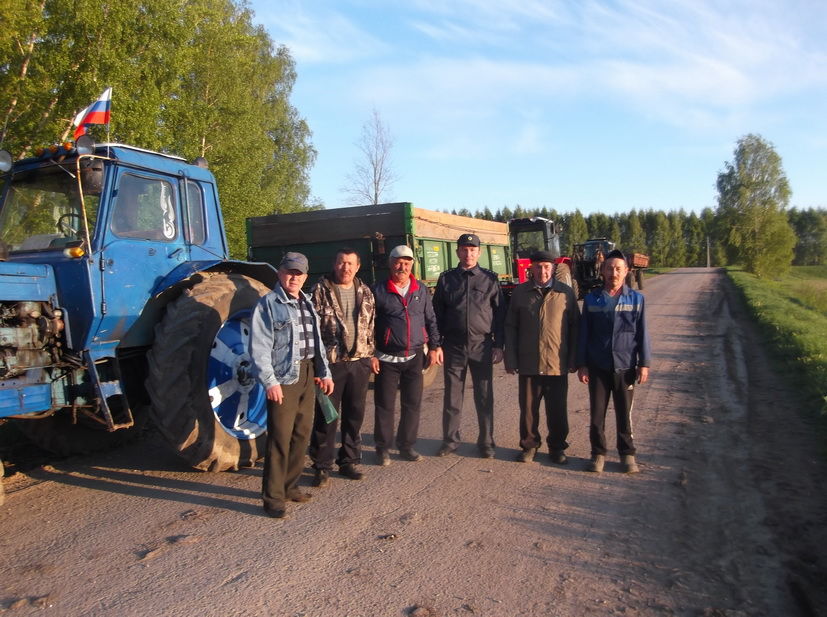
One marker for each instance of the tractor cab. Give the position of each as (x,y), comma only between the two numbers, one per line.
(529,235)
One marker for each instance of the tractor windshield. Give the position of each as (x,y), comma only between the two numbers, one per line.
(42,209)
(593,247)
(529,239)
(528,242)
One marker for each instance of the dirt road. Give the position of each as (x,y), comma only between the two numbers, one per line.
(727,517)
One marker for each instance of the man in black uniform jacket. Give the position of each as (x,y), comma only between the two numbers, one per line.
(470,311)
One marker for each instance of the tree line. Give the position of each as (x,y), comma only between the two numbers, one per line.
(751,226)
(671,238)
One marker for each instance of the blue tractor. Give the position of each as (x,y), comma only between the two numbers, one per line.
(118,302)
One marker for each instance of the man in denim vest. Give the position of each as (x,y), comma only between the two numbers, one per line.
(288,358)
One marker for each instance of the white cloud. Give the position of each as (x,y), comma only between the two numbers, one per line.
(318,37)
(685,61)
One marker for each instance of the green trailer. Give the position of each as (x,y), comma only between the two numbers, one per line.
(373,231)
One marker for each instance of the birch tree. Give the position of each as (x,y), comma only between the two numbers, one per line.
(373,175)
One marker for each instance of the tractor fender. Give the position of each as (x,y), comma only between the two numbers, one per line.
(259,271)
(142,332)
(263,272)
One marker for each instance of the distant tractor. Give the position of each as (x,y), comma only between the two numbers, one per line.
(581,271)
(589,256)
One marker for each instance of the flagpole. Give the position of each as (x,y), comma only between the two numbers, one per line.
(108,124)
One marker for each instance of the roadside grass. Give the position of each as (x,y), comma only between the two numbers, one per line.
(792,313)
(809,285)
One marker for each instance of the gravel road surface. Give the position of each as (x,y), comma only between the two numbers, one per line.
(726,519)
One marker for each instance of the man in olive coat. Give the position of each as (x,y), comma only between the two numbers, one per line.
(541,331)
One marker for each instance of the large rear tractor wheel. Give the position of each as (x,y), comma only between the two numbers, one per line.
(205,400)
(639,278)
(562,272)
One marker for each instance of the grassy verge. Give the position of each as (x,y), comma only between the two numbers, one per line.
(792,313)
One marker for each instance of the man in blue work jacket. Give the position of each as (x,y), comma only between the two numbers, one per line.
(613,353)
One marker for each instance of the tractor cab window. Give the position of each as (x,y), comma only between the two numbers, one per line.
(196,227)
(528,242)
(144,209)
(42,210)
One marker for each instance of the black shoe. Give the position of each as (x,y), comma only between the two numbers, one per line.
(275,512)
(320,478)
(487,452)
(445,450)
(558,457)
(382,457)
(527,456)
(349,471)
(299,496)
(409,454)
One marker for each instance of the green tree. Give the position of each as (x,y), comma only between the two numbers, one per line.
(575,231)
(676,255)
(811,232)
(753,193)
(661,238)
(599,225)
(64,53)
(693,231)
(194,78)
(714,234)
(614,232)
(634,239)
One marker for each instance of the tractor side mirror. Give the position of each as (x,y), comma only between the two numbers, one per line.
(91,176)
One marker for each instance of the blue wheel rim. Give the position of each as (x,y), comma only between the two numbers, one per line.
(238,400)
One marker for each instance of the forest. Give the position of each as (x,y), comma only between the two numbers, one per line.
(673,238)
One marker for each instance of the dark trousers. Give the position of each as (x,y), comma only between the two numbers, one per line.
(553,389)
(621,386)
(457,362)
(288,430)
(351,379)
(406,377)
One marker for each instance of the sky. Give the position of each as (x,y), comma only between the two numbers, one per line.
(602,106)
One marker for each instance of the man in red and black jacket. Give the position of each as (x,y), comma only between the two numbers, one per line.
(405,323)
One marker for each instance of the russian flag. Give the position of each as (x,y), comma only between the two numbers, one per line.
(96,113)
